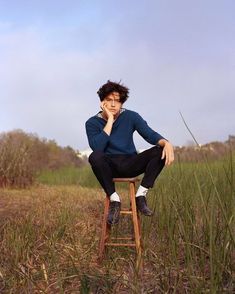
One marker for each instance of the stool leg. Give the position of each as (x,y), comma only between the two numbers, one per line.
(105,229)
(135,218)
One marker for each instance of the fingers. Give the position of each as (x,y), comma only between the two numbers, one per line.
(169,160)
(163,154)
(106,112)
(168,154)
(102,105)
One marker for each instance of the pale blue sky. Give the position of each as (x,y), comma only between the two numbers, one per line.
(173,55)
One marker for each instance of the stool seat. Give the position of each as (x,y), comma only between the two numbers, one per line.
(132,180)
(105,239)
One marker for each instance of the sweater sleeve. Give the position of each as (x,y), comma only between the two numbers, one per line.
(97,138)
(145,131)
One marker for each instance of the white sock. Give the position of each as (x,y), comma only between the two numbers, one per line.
(114,197)
(142,191)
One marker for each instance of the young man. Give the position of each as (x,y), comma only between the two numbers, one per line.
(110,136)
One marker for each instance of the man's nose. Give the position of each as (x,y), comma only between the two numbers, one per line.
(113,102)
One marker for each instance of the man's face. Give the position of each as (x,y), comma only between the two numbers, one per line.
(113,103)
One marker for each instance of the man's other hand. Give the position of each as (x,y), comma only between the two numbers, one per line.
(167,152)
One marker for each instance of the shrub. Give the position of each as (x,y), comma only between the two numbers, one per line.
(15,157)
(23,156)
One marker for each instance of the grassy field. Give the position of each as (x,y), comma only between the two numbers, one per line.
(50,234)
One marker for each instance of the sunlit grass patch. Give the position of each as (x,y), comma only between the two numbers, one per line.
(69,176)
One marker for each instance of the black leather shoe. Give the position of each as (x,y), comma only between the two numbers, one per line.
(114,212)
(141,204)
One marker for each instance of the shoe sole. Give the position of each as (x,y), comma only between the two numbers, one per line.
(145,213)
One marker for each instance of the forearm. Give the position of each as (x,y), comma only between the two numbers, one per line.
(97,138)
(109,125)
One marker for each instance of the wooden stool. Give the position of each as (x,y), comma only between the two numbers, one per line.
(106,228)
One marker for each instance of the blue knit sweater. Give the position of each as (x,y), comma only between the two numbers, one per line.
(120,141)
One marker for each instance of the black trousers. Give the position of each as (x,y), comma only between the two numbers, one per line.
(106,167)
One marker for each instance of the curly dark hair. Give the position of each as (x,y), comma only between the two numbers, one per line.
(110,87)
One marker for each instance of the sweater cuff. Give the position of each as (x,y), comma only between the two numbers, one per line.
(105,134)
(159,137)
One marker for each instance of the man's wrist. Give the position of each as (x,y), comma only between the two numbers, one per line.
(111,119)
(162,142)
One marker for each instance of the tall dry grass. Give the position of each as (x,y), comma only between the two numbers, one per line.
(194,223)
(50,233)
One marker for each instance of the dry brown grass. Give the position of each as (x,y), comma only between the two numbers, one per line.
(49,239)
(49,242)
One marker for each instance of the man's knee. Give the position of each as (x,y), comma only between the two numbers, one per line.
(156,154)
(156,151)
(97,157)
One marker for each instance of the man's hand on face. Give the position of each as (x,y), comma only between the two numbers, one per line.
(106,112)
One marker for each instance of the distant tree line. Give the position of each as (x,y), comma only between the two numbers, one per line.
(23,156)
(212,151)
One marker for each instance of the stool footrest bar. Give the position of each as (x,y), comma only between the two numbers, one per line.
(126,212)
(120,244)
